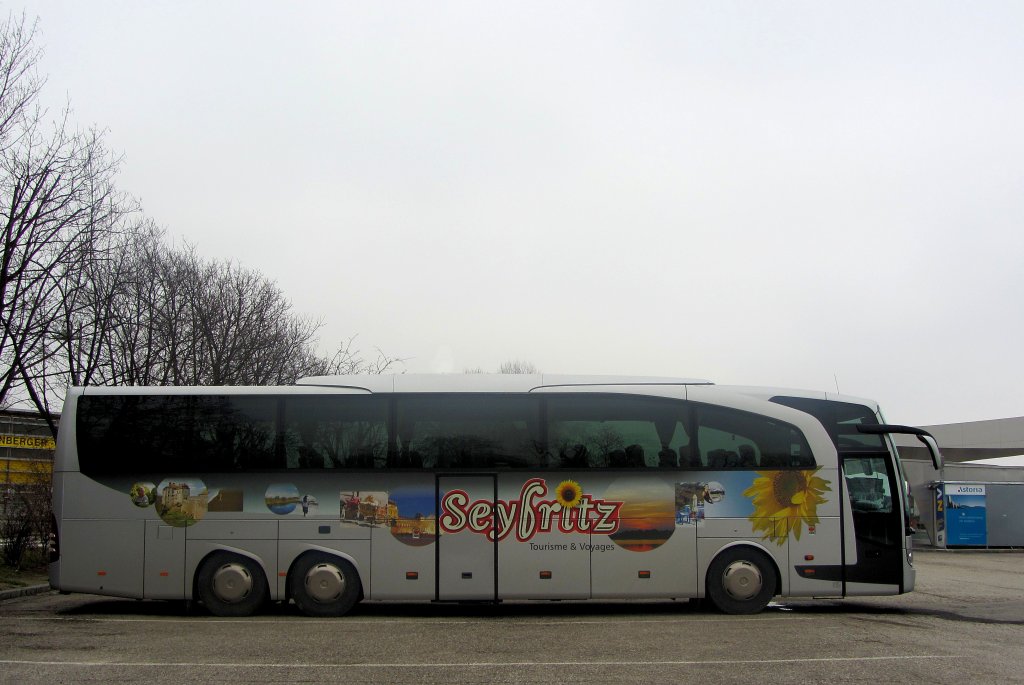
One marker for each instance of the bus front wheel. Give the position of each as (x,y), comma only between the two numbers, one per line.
(741,580)
(232,585)
(324,585)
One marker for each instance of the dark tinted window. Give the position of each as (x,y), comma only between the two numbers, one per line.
(840,419)
(728,438)
(176,433)
(235,433)
(199,434)
(131,434)
(617,431)
(467,431)
(325,431)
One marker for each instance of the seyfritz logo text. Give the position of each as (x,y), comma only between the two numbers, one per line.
(532,513)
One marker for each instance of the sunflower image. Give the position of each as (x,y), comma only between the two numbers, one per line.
(568,494)
(784,501)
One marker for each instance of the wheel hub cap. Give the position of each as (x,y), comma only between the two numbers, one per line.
(742,580)
(232,583)
(325,583)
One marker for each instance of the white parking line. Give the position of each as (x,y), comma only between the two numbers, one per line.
(478,664)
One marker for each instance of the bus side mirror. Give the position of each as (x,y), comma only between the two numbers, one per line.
(922,435)
(933,449)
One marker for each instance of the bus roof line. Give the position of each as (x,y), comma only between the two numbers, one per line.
(388,383)
(598,384)
(331,385)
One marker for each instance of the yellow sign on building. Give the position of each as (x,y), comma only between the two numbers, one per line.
(28,442)
(25,471)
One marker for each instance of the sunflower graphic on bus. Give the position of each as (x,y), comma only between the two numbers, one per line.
(784,501)
(569,494)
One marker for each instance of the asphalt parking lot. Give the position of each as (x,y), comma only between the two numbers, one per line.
(963,624)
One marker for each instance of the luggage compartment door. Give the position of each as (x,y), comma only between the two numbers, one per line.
(467,547)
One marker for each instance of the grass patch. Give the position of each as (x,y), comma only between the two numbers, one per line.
(32,572)
(11,579)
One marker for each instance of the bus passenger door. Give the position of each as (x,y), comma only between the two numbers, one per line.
(878,525)
(467,546)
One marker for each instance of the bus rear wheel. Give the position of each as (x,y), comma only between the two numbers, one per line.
(324,585)
(232,585)
(741,580)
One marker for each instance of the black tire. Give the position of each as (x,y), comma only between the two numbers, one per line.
(324,585)
(231,585)
(741,580)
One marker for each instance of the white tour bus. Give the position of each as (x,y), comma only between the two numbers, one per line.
(476,488)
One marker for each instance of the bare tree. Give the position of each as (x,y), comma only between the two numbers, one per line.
(239,327)
(56,198)
(512,366)
(516,366)
(98,302)
(91,294)
(347,361)
(170,317)
(25,515)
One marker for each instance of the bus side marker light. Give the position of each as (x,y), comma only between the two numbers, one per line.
(808,557)
(101,573)
(545,575)
(282,574)
(164,574)
(644,574)
(412,575)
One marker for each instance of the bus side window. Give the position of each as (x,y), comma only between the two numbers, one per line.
(734,439)
(331,432)
(573,456)
(492,431)
(234,432)
(667,458)
(617,431)
(688,457)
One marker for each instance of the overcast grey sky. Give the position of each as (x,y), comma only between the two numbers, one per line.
(782,193)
